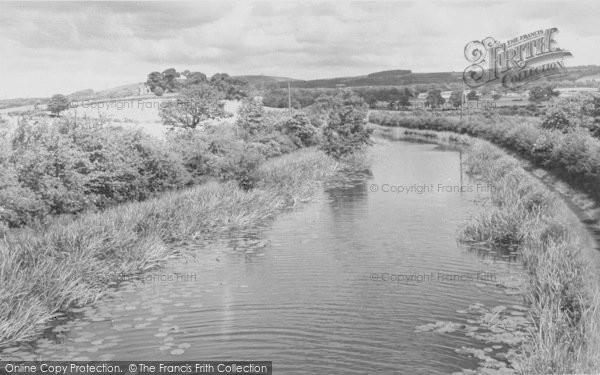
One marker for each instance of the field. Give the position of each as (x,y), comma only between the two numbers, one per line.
(137,113)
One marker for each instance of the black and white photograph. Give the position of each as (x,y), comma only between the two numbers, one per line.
(300,187)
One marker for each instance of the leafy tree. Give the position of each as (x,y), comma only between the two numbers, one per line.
(455,98)
(346,129)
(58,103)
(195,78)
(539,94)
(557,120)
(595,127)
(592,106)
(219,77)
(158,91)
(399,98)
(496,96)
(568,113)
(49,163)
(370,99)
(232,88)
(169,77)
(278,98)
(250,116)
(155,79)
(300,130)
(166,80)
(434,98)
(472,95)
(192,106)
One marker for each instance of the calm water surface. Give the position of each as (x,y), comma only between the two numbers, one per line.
(322,290)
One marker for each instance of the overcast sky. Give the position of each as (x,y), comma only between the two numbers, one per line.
(49,48)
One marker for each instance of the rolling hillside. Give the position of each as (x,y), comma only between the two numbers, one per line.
(383,78)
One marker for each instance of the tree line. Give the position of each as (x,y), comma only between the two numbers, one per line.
(172,81)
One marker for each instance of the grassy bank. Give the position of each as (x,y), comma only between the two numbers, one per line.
(70,262)
(563,292)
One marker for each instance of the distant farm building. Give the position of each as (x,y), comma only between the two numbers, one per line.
(446,95)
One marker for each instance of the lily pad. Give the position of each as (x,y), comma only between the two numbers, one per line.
(439,327)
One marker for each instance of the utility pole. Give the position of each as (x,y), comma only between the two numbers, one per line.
(290,99)
(462,99)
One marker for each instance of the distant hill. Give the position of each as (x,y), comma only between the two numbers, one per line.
(264,79)
(118,92)
(20,102)
(383,78)
(82,94)
(389,74)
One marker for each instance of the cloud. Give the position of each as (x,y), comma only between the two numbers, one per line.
(64,46)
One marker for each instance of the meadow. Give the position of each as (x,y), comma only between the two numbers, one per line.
(137,113)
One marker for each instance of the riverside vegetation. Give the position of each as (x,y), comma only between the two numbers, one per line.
(563,293)
(82,202)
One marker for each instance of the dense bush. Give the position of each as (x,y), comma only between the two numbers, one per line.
(301,130)
(556,120)
(518,110)
(250,117)
(60,167)
(345,130)
(570,113)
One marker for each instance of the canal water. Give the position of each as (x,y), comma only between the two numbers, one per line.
(367,278)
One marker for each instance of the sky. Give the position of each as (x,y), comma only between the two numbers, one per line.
(61,47)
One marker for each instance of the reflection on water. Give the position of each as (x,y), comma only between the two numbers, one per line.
(337,287)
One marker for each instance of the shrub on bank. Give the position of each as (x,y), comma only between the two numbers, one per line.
(345,129)
(301,130)
(64,168)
